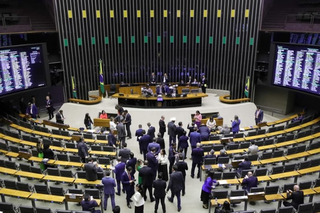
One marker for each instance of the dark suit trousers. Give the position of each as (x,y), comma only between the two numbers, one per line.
(162,204)
(119,186)
(128,130)
(286,203)
(129,193)
(172,139)
(50,112)
(193,168)
(204,89)
(144,154)
(171,160)
(106,201)
(178,197)
(149,188)
(162,134)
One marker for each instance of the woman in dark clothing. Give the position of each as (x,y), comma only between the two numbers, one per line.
(225,208)
(87,121)
(47,153)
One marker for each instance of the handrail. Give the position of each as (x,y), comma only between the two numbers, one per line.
(81,101)
(225,99)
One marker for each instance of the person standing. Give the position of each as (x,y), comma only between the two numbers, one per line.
(112,140)
(124,153)
(258,115)
(87,121)
(182,167)
(176,184)
(155,145)
(119,170)
(121,133)
(183,143)
(32,110)
(165,79)
(179,130)
(172,131)
(139,132)
(160,141)
(119,109)
(204,132)
(296,196)
(197,159)
(82,150)
(108,188)
(127,121)
(138,200)
(49,106)
(152,161)
(91,170)
(147,176)
(159,186)
(143,144)
(153,79)
(163,164)
(172,156)
(128,184)
(60,117)
(151,130)
(162,126)
(195,138)
(235,125)
(197,118)
(132,163)
(204,84)
(207,186)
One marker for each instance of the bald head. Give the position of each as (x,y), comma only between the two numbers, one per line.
(296,188)
(198,145)
(249,174)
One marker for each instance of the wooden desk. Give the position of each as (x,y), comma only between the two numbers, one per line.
(45,197)
(255,137)
(68,163)
(101,122)
(41,133)
(284,175)
(15,193)
(58,179)
(29,175)
(85,182)
(256,196)
(4,170)
(54,124)
(219,201)
(134,89)
(309,170)
(113,154)
(297,155)
(101,142)
(275,133)
(210,142)
(273,160)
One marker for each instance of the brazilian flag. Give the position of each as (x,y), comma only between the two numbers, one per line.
(74,91)
(246,89)
(101,78)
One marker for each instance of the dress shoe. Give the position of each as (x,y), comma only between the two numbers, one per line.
(179,209)
(205,206)
(170,199)
(192,176)
(123,191)
(183,193)
(118,194)
(129,206)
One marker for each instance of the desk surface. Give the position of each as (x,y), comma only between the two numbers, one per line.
(29,175)
(140,97)
(45,197)
(15,193)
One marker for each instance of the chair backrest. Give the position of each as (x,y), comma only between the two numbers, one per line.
(62,157)
(304,165)
(281,139)
(261,172)
(6,207)
(108,148)
(305,185)
(26,209)
(10,184)
(272,129)
(239,135)
(14,148)
(220,194)
(217,147)
(57,143)
(305,208)
(3,146)
(70,145)
(288,186)
(261,132)
(23,186)
(228,135)
(314,145)
(66,173)
(64,211)
(253,157)
(287,209)
(207,148)
(268,211)
(96,148)
(229,175)
(43,210)
(277,169)
(316,206)
(266,155)
(57,191)
(292,150)
(223,160)
(44,129)
(95,193)
(101,137)
(209,161)
(259,143)
(2,163)
(35,169)
(81,175)
(256,189)
(289,137)
(10,164)
(217,176)
(34,152)
(55,132)
(87,136)
(301,148)
(24,167)
(279,128)
(317,182)
(53,171)
(271,190)
(232,146)
(236,193)
(315,162)
(75,191)
(214,137)
(244,145)
(74,158)
(252,133)
(64,133)
(278,153)
(104,161)
(301,134)
(289,167)
(41,189)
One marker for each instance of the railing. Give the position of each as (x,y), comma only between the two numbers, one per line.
(302,21)
(20,22)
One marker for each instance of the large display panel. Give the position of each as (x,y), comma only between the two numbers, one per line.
(22,67)
(296,67)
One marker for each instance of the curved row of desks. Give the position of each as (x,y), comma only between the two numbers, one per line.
(96,100)
(226,99)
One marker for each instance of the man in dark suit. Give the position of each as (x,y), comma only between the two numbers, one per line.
(139,132)
(172,131)
(60,117)
(118,170)
(152,161)
(165,79)
(176,184)
(121,132)
(147,176)
(183,143)
(132,163)
(179,130)
(88,204)
(204,132)
(108,189)
(151,130)
(49,106)
(182,167)
(159,186)
(258,115)
(82,150)
(128,184)
(155,145)
(195,138)
(112,140)
(124,153)
(127,122)
(91,170)
(143,143)
(153,79)
(160,141)
(249,181)
(204,84)
(296,196)
(171,156)
(162,126)
(197,159)
(244,165)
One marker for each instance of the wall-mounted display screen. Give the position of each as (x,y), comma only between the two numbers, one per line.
(297,67)
(21,68)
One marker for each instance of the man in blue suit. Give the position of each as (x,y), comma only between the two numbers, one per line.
(151,130)
(155,145)
(176,184)
(132,162)
(172,131)
(183,143)
(112,141)
(197,159)
(195,138)
(244,165)
(108,188)
(124,153)
(147,175)
(249,181)
(127,122)
(128,184)
(143,143)
(204,132)
(152,161)
(118,170)
(179,130)
(258,115)
(82,150)
(172,156)
(139,133)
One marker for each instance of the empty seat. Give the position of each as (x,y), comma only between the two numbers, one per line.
(104,161)
(279,128)
(236,193)
(81,175)
(7,207)
(301,148)
(261,132)
(57,191)
(269,190)
(278,153)
(252,133)
(316,130)
(87,136)
(208,161)
(10,184)
(304,165)
(217,175)
(43,210)
(207,148)
(34,153)
(74,158)
(219,194)
(305,185)
(35,169)
(256,189)
(66,173)
(244,145)
(277,170)
(287,209)
(261,172)
(3,146)
(26,209)
(289,137)
(34,139)
(223,160)
(14,148)
(10,164)
(239,135)
(23,187)
(315,162)
(217,147)
(281,139)
(70,145)
(53,171)
(317,182)
(96,148)
(55,132)
(95,193)
(272,129)
(314,145)
(108,148)
(259,143)
(75,191)
(289,167)
(41,189)
(229,175)
(253,157)
(62,157)
(301,135)
(24,167)
(316,206)
(292,150)
(308,132)
(214,137)
(101,137)
(305,208)
(2,163)
(266,155)
(45,129)
(64,133)
(57,143)
(268,211)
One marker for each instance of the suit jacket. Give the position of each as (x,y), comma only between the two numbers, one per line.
(34,111)
(132,162)
(162,126)
(172,129)
(165,79)
(297,198)
(126,181)
(109,183)
(121,130)
(159,186)
(128,119)
(236,126)
(204,133)
(160,141)
(124,154)
(182,167)
(89,205)
(183,142)
(119,169)
(179,131)
(258,118)
(48,153)
(151,132)
(144,142)
(153,79)
(147,175)
(111,139)
(191,129)
(250,182)
(172,153)
(49,105)
(91,172)
(154,145)
(152,161)
(176,182)
(197,155)
(139,133)
(195,138)
(244,165)
(203,82)
(82,149)
(59,118)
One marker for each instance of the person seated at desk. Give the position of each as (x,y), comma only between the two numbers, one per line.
(147,91)
(103,115)
(223,153)
(89,204)
(224,208)
(296,196)
(91,170)
(249,181)
(210,154)
(153,78)
(297,119)
(244,165)
(195,82)
(113,125)
(160,89)
(225,130)
(253,149)
(211,124)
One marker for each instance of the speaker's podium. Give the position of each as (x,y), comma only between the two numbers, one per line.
(159,101)
(101,122)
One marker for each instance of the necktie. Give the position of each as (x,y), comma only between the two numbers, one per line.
(129,176)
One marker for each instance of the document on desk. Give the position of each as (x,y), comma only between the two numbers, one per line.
(223,182)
